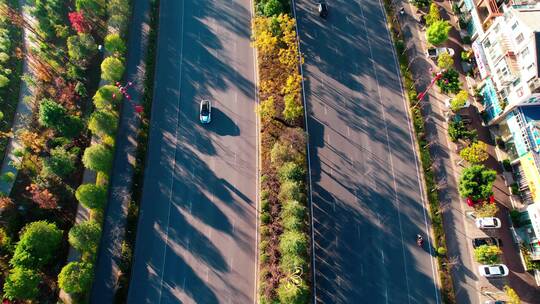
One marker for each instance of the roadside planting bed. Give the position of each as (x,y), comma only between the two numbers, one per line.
(284,260)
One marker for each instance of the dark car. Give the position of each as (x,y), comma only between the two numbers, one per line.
(477,242)
(323,9)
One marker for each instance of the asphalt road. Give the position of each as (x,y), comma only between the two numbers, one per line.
(366,191)
(196,239)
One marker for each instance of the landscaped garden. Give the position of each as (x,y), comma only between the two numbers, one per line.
(68,108)
(284,260)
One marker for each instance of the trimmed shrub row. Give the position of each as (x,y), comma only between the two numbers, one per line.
(76,277)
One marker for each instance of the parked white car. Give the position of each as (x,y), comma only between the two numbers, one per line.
(493,271)
(488,222)
(436,52)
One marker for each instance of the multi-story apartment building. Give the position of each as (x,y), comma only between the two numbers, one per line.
(507,52)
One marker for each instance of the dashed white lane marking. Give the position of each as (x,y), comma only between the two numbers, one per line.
(207,274)
(348,131)
(325,110)
(209,233)
(382,256)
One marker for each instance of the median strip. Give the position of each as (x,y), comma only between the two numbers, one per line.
(284,260)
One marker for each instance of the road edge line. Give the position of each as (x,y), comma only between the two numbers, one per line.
(313,276)
(257,158)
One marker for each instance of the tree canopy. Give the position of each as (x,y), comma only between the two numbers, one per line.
(92,196)
(21,284)
(85,236)
(437,32)
(112,69)
(76,277)
(98,158)
(476,182)
(37,246)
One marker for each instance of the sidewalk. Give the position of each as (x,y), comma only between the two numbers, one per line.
(22,116)
(107,269)
(468,285)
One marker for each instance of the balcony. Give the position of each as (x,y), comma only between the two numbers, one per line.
(488,10)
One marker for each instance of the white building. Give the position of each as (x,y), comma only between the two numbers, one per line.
(507,56)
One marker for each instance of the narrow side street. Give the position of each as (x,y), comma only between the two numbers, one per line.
(469,286)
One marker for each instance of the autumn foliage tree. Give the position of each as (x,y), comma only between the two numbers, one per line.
(78,22)
(42,197)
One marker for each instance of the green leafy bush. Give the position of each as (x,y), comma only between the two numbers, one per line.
(103,123)
(92,196)
(21,284)
(106,97)
(449,82)
(291,190)
(433,15)
(459,101)
(114,44)
(76,277)
(293,294)
(81,48)
(112,69)
(98,158)
(37,246)
(272,8)
(61,163)
(85,236)
(293,243)
(437,32)
(487,254)
(291,171)
(293,107)
(54,116)
(476,182)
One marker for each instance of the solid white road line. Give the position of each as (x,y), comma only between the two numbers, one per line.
(174,156)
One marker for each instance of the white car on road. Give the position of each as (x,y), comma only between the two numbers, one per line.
(436,52)
(493,271)
(205,111)
(488,222)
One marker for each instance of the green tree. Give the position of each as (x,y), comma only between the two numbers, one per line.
(114,44)
(85,236)
(280,154)
(476,182)
(51,114)
(92,196)
(92,6)
(21,284)
(449,82)
(106,97)
(445,61)
(81,48)
(457,130)
(54,116)
(61,163)
(487,254)
(475,153)
(76,277)
(272,8)
(103,123)
(98,158)
(437,32)
(433,15)
(293,243)
(112,69)
(37,246)
(293,107)
(459,101)
(4,81)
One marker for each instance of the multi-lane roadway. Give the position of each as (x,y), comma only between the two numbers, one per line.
(196,239)
(366,190)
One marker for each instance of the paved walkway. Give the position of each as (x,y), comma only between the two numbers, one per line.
(22,116)
(107,270)
(469,286)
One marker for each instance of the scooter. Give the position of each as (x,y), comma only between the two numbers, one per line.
(419,240)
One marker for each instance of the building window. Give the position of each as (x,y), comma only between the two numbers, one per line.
(496,28)
(515,83)
(487,43)
(525,52)
(530,67)
(514,25)
(519,38)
